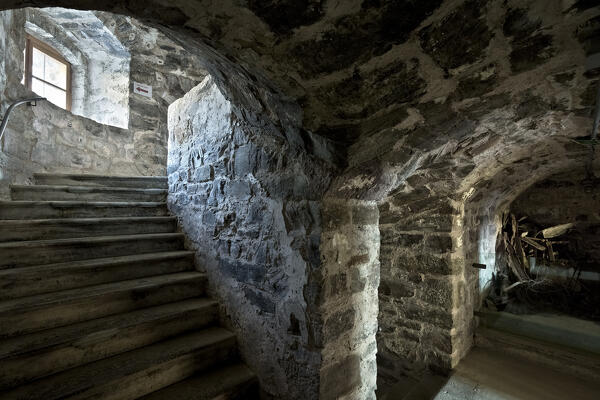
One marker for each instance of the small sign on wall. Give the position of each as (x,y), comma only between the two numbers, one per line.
(141,89)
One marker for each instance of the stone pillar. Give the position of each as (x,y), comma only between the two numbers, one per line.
(350,278)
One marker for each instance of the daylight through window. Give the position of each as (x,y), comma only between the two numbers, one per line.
(47,73)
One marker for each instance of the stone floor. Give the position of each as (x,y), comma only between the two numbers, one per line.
(489,375)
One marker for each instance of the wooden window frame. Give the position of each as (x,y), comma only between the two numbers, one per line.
(32,43)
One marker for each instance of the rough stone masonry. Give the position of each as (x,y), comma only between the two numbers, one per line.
(354,162)
(48,138)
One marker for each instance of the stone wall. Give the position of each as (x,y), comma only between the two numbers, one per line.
(447,111)
(159,62)
(99,62)
(479,117)
(248,196)
(48,138)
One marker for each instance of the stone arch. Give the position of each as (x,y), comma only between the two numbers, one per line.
(480,213)
(443,217)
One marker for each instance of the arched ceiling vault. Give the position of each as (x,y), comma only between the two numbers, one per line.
(355,66)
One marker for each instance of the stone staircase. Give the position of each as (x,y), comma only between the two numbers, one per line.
(100,300)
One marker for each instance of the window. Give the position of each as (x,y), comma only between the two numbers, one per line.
(47,73)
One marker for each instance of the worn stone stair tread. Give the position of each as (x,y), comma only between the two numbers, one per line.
(75,203)
(42,300)
(32,229)
(101,180)
(37,279)
(235,381)
(85,221)
(81,242)
(44,311)
(94,176)
(36,209)
(86,189)
(39,354)
(97,239)
(140,368)
(34,342)
(66,192)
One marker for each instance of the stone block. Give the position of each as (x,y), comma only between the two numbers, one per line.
(438,292)
(335,215)
(357,282)
(408,334)
(429,263)
(438,362)
(260,299)
(203,173)
(429,222)
(340,378)
(365,215)
(441,243)
(459,38)
(338,284)
(396,289)
(423,313)
(357,260)
(437,339)
(389,237)
(244,160)
(338,323)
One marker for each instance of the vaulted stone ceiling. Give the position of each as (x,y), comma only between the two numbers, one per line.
(355,65)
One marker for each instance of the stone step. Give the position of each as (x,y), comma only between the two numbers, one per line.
(144,182)
(39,354)
(37,229)
(584,364)
(39,252)
(86,193)
(229,382)
(29,281)
(79,209)
(135,373)
(50,310)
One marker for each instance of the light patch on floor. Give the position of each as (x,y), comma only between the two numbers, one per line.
(490,375)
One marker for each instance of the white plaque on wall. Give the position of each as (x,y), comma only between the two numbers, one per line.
(141,89)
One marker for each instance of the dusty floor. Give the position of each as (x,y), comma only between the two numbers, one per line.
(486,374)
(489,375)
